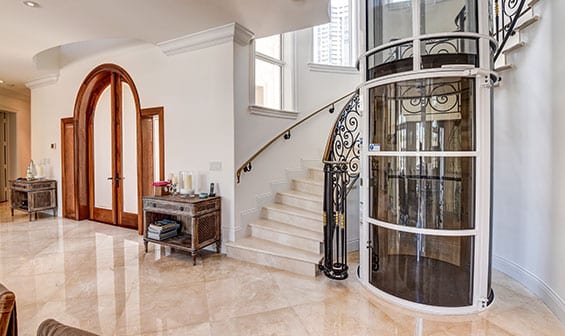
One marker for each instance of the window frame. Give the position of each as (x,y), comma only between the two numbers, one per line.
(287,79)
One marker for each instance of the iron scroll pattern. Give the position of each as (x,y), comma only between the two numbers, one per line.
(341,171)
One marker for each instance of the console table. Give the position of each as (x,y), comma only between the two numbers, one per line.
(33,196)
(199,219)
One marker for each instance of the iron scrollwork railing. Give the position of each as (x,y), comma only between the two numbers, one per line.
(507,13)
(341,172)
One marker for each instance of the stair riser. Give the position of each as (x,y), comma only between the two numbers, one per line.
(300,203)
(282,238)
(314,189)
(317,175)
(291,265)
(298,221)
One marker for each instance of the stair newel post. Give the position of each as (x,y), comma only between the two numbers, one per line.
(328,218)
(342,190)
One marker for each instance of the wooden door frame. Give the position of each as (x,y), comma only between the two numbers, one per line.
(159,111)
(89,92)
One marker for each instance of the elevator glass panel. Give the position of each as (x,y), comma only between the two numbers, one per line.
(438,52)
(388,21)
(432,114)
(427,269)
(423,192)
(441,16)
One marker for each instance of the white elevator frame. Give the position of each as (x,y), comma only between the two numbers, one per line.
(482,155)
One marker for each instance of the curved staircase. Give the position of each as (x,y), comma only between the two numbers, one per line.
(289,233)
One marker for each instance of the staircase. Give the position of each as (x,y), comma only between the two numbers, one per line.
(516,41)
(289,233)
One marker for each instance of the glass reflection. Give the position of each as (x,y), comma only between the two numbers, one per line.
(443,51)
(388,21)
(433,114)
(448,16)
(424,192)
(427,269)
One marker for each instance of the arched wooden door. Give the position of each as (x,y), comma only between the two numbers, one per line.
(84,132)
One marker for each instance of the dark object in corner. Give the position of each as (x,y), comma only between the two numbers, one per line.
(51,327)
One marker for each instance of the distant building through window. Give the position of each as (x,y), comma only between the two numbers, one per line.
(333,43)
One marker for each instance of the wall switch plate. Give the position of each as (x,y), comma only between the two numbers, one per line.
(215,165)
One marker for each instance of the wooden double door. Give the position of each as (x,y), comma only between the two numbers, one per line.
(112,150)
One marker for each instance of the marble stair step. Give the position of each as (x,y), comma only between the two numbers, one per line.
(288,235)
(293,216)
(316,174)
(282,257)
(300,200)
(308,185)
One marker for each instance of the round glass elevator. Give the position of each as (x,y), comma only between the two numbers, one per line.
(426,154)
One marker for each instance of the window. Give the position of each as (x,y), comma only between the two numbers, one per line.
(269,66)
(334,43)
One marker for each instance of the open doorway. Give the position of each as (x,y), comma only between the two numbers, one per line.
(8,159)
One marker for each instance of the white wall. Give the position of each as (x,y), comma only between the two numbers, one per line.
(529,163)
(196,90)
(270,171)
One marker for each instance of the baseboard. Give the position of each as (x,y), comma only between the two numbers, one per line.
(531,281)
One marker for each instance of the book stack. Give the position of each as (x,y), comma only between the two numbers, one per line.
(162,229)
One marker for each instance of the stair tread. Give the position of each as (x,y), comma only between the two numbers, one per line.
(265,246)
(504,67)
(288,229)
(514,47)
(528,23)
(295,211)
(309,180)
(302,195)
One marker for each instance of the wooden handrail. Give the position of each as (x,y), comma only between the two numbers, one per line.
(246,167)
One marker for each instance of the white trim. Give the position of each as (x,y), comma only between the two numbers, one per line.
(415,230)
(42,81)
(332,68)
(274,113)
(531,281)
(207,38)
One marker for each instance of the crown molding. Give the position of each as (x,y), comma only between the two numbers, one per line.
(42,81)
(207,38)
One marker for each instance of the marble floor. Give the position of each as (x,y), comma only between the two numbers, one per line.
(97,277)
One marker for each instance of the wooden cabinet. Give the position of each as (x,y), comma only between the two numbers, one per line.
(33,196)
(199,219)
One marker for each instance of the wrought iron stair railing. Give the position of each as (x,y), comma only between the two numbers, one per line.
(341,172)
(506,16)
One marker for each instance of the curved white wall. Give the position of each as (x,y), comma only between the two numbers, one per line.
(529,163)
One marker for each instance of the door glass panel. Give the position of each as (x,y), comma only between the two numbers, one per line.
(427,269)
(102,143)
(442,51)
(424,192)
(432,114)
(129,150)
(448,16)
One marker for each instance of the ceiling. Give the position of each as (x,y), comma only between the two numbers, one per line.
(83,27)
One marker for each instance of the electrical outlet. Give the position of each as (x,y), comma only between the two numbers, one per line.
(53,146)
(215,165)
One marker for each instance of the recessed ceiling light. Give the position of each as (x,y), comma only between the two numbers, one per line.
(31,4)
(1,81)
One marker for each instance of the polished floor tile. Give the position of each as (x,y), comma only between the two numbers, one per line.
(98,277)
